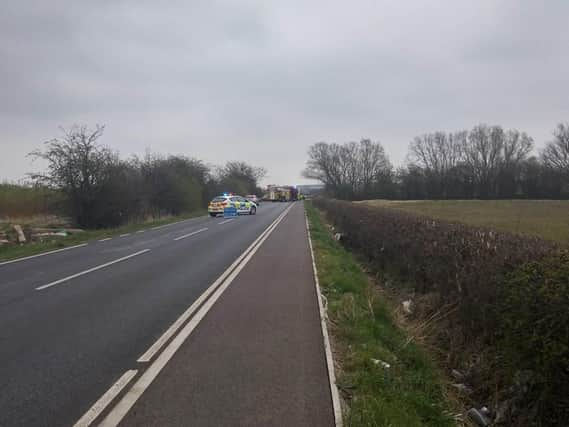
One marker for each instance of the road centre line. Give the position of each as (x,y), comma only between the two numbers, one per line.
(116,414)
(141,231)
(106,239)
(171,223)
(149,354)
(124,235)
(94,411)
(43,253)
(225,222)
(107,264)
(191,234)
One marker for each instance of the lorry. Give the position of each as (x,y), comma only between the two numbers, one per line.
(284,193)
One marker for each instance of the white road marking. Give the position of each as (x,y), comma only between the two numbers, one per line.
(73,276)
(100,405)
(191,234)
(43,254)
(225,222)
(146,357)
(106,239)
(129,399)
(125,235)
(327,347)
(141,231)
(171,223)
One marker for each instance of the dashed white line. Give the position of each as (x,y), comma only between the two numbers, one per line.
(43,254)
(106,239)
(191,234)
(225,222)
(141,231)
(100,405)
(124,235)
(169,224)
(73,276)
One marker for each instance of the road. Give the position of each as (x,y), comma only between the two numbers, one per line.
(75,322)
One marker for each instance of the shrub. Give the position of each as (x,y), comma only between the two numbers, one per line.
(460,263)
(534,326)
(508,298)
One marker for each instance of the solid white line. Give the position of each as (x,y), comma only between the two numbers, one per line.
(105,240)
(100,405)
(191,234)
(73,276)
(129,399)
(42,254)
(225,222)
(146,357)
(327,347)
(125,235)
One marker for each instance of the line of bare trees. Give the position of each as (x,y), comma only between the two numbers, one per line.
(485,162)
(100,189)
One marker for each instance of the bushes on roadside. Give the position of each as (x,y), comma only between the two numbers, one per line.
(503,297)
(99,189)
(458,263)
(534,333)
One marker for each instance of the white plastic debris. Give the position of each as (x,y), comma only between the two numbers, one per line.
(407,306)
(381,362)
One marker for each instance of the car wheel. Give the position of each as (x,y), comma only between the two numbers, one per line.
(253,210)
(213,215)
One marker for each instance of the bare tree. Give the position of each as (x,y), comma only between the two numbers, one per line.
(556,153)
(516,147)
(350,170)
(437,154)
(78,166)
(324,165)
(483,155)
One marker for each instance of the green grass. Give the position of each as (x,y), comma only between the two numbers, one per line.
(548,219)
(410,392)
(10,252)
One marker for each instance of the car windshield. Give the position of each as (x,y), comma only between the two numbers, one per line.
(219,199)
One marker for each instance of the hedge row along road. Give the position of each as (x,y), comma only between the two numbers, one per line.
(203,322)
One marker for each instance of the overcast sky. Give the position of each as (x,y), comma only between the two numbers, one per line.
(262,80)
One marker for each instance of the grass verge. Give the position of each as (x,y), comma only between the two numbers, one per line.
(10,252)
(385,379)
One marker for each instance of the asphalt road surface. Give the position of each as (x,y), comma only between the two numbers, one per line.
(203,322)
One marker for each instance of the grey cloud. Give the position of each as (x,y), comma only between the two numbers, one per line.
(261,80)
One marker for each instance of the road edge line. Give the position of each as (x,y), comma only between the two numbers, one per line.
(336,404)
(99,406)
(42,254)
(121,409)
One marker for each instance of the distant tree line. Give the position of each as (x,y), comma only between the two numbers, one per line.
(100,189)
(486,162)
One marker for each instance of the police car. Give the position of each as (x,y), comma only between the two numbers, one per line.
(243,206)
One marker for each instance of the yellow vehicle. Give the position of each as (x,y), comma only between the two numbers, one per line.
(241,204)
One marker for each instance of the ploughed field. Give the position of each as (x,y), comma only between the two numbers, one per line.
(548,219)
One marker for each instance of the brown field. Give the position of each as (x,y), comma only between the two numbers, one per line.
(548,219)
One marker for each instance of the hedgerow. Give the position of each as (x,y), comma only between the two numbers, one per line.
(499,302)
